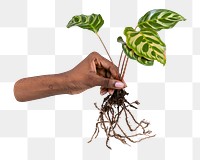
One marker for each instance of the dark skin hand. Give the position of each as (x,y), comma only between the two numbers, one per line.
(93,71)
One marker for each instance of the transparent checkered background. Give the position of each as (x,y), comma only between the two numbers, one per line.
(35,41)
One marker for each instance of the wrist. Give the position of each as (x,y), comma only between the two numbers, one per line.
(66,81)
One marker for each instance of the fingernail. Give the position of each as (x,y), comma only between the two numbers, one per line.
(103,92)
(119,85)
(125,85)
(111,92)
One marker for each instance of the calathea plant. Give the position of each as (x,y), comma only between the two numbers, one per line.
(142,44)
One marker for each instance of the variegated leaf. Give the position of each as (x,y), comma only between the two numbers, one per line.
(158,19)
(91,22)
(146,43)
(130,53)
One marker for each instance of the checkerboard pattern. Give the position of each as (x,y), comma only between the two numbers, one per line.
(35,41)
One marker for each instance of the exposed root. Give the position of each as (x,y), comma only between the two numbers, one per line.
(111,110)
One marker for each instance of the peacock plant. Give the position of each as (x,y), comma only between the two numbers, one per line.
(142,44)
(92,22)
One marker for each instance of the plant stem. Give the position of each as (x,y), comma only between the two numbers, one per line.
(124,68)
(120,59)
(104,47)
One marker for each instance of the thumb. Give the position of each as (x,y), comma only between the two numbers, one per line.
(108,83)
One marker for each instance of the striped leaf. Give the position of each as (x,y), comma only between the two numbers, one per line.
(158,19)
(91,22)
(146,43)
(130,53)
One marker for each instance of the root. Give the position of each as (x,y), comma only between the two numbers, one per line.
(112,108)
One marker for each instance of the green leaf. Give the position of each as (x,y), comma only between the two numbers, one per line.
(158,19)
(91,22)
(130,53)
(146,43)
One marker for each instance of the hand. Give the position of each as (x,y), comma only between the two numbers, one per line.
(95,70)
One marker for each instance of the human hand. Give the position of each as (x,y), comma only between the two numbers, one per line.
(93,71)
